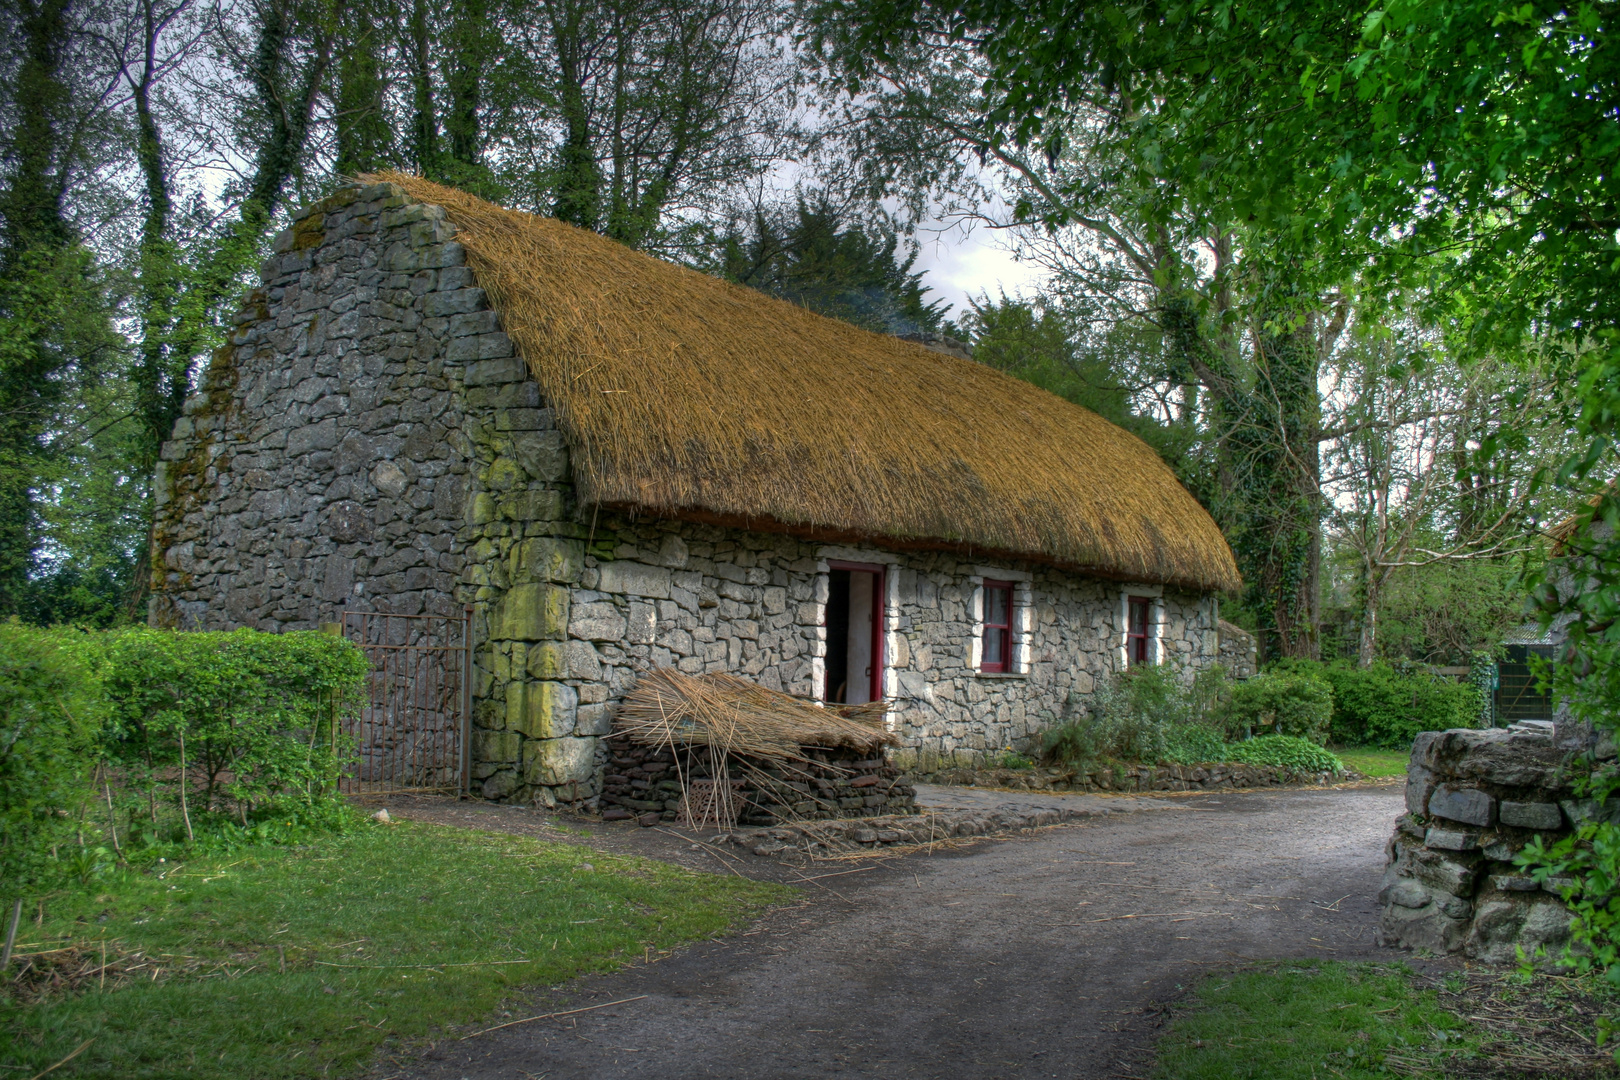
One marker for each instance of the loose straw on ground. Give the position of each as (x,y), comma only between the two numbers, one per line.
(550,1015)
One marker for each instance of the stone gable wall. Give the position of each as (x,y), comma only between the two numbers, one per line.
(369,440)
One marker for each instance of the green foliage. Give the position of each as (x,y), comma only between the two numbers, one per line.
(1193,744)
(1304,1020)
(1148,714)
(1012,759)
(1287,752)
(819,260)
(1288,702)
(1129,719)
(50,717)
(1442,613)
(1582,591)
(1483,677)
(414,927)
(1381,705)
(1374,763)
(1590,858)
(249,713)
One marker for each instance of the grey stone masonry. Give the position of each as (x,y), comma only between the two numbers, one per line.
(1474,800)
(369,439)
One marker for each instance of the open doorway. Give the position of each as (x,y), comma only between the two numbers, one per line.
(854,633)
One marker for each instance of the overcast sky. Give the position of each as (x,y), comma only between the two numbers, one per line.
(957,268)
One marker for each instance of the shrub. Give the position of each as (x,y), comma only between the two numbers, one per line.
(1147,714)
(1295,703)
(1383,706)
(237,721)
(1285,751)
(49,718)
(1192,744)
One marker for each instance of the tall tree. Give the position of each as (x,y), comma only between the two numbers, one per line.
(814,257)
(54,318)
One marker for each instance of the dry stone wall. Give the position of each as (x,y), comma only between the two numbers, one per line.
(710,599)
(1474,799)
(369,440)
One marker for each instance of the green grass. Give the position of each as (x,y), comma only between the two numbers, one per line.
(368,928)
(1310,1021)
(1372,762)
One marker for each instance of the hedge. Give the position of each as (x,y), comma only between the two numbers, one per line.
(181,731)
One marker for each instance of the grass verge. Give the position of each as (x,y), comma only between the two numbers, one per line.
(1316,1020)
(1374,763)
(1309,1021)
(289,962)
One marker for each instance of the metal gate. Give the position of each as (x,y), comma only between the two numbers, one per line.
(411,733)
(1518,695)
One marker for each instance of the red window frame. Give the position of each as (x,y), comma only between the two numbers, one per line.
(1138,628)
(997,630)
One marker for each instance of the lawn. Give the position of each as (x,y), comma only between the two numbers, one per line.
(1372,762)
(1317,1020)
(1309,1021)
(288,962)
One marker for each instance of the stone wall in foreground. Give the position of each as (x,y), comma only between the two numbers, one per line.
(1474,799)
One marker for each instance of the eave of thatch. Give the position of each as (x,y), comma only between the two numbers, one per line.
(683,395)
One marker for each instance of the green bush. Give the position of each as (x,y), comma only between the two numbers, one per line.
(1128,719)
(1147,714)
(1193,744)
(50,715)
(1384,706)
(1285,751)
(1282,702)
(244,718)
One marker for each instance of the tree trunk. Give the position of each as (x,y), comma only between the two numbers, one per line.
(424,138)
(464,80)
(579,187)
(363,134)
(33,247)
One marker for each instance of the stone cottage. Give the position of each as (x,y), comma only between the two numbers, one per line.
(621,464)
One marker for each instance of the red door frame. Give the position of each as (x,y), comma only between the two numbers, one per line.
(879,574)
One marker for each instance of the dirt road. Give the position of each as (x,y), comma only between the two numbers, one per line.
(1040,956)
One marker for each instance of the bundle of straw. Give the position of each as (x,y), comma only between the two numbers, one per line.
(733,715)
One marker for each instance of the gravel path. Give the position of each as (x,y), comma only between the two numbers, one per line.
(1044,955)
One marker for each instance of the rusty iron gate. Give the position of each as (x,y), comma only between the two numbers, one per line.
(411,732)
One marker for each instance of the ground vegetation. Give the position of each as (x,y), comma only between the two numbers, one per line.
(283,961)
(1300,1018)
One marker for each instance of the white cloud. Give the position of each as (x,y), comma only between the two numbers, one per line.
(966,261)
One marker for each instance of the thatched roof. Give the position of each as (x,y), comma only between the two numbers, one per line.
(686,396)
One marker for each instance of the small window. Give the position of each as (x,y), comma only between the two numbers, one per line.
(1136,631)
(998,608)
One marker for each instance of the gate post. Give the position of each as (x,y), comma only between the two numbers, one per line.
(466,700)
(334,629)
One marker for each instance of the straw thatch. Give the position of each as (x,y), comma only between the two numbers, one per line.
(690,397)
(733,715)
